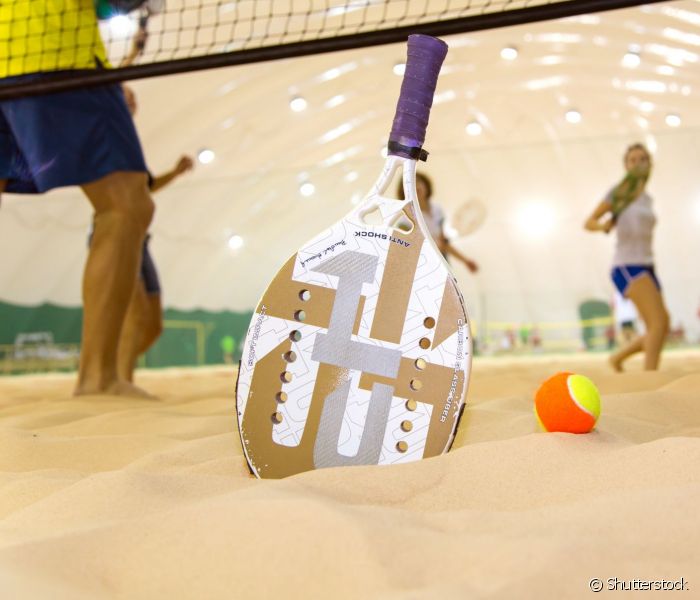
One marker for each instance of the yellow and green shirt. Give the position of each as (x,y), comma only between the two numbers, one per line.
(48,35)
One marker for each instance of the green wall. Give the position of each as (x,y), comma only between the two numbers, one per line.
(189,338)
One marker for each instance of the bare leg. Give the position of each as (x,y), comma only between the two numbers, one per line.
(650,305)
(156,320)
(625,352)
(123,211)
(142,326)
(130,341)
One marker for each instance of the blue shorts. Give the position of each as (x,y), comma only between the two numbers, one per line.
(65,138)
(623,275)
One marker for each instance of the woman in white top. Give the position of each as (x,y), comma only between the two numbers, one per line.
(435,219)
(633,265)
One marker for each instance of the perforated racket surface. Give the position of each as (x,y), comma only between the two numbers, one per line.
(359,351)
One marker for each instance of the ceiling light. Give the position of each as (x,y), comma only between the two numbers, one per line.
(673,120)
(474,128)
(336,100)
(648,86)
(205,156)
(573,116)
(297,104)
(631,60)
(307,189)
(642,122)
(509,53)
(235,242)
(121,26)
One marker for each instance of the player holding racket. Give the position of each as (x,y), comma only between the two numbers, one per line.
(633,273)
(435,220)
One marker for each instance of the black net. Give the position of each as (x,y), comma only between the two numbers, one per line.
(156,37)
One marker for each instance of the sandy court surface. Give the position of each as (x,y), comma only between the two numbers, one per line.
(117,498)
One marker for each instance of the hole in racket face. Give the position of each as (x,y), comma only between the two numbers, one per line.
(416,384)
(406,426)
(421,363)
(373,217)
(304,295)
(429,322)
(404,223)
(401,221)
(401,446)
(276,418)
(281,397)
(295,335)
(290,356)
(300,316)
(424,343)
(411,405)
(286,376)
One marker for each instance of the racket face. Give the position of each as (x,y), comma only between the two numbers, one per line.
(359,351)
(155,7)
(469,217)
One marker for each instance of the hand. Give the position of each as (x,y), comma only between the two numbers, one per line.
(471,265)
(607,226)
(184,164)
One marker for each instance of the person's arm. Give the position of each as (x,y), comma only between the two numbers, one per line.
(448,248)
(137,46)
(594,223)
(184,164)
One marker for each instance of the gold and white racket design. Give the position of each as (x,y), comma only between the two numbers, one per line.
(359,351)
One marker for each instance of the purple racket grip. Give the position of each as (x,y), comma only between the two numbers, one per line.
(425,56)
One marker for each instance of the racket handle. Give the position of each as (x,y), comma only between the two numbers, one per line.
(425,56)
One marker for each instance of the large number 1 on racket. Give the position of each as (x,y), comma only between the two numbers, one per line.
(359,351)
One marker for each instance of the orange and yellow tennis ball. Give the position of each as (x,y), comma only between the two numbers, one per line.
(567,402)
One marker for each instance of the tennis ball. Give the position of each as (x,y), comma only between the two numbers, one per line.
(567,402)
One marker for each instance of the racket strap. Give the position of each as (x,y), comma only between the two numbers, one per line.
(416,153)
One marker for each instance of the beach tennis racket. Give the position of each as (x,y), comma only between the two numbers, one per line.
(627,191)
(468,217)
(359,351)
(150,7)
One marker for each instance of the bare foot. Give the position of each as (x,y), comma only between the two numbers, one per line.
(118,388)
(616,364)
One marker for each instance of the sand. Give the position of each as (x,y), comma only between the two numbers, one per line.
(118,498)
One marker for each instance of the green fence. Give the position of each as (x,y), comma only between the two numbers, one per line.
(47,337)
